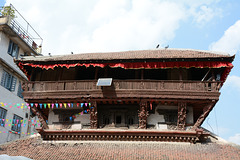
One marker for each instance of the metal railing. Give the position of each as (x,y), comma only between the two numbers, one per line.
(24,30)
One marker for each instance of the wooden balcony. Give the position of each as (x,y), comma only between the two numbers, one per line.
(62,90)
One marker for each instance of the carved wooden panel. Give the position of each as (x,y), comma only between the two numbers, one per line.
(93,115)
(182,115)
(143,114)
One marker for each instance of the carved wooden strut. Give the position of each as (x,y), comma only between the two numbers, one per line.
(206,111)
(93,115)
(40,117)
(182,115)
(143,114)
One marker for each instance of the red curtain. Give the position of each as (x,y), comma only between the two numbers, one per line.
(139,65)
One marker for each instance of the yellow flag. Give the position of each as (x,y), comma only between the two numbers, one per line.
(65,105)
(49,105)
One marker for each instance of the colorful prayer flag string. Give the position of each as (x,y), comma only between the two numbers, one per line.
(44,105)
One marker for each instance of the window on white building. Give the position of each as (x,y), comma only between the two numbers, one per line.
(16,123)
(8,81)
(13,49)
(20,90)
(3,113)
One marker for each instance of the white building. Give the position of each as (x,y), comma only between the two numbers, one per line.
(16,121)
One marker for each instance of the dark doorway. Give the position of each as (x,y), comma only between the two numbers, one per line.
(106,120)
(118,119)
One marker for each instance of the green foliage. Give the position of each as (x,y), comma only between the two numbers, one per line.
(7,10)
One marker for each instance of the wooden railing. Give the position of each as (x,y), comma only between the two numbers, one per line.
(90,85)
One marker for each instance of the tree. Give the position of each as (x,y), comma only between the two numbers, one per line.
(7,10)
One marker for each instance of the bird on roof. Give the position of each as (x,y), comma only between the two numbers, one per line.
(167,47)
(157,46)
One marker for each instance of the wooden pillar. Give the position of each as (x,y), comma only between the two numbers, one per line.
(60,74)
(180,74)
(142,74)
(40,117)
(143,114)
(202,117)
(32,76)
(105,72)
(93,115)
(182,115)
(96,73)
(213,76)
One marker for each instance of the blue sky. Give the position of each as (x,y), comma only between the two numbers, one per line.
(111,25)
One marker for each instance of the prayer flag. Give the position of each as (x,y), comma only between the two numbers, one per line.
(40,104)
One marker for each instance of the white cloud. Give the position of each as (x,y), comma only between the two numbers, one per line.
(233,82)
(235,139)
(142,26)
(205,14)
(109,25)
(230,41)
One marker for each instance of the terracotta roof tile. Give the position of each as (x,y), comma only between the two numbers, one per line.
(34,148)
(139,54)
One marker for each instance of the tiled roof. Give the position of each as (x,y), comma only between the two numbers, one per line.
(34,148)
(139,54)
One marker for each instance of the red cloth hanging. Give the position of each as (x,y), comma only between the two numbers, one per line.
(140,65)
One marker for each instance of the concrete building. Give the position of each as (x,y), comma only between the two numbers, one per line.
(16,41)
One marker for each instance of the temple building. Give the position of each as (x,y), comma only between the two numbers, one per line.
(150,95)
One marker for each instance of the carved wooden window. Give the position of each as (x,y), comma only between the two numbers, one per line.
(106,120)
(130,121)
(170,115)
(65,118)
